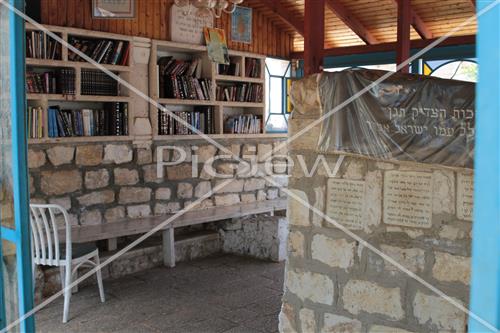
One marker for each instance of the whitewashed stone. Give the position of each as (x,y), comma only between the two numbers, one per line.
(315,287)
(355,169)
(163,193)
(264,151)
(118,154)
(451,268)
(337,253)
(412,259)
(60,182)
(114,214)
(233,186)
(307,320)
(91,217)
(373,198)
(297,212)
(206,152)
(254,184)
(36,158)
(96,179)
(443,192)
(171,207)
(60,155)
(272,193)
(438,312)
(97,198)
(319,204)
(235,150)
(134,195)
(296,244)
(277,181)
(386,329)
(138,211)
(280,148)
(245,170)
(451,232)
(203,188)
(339,324)
(248,151)
(370,297)
(280,167)
(185,190)
(227,199)
(126,176)
(286,319)
(248,197)
(261,195)
(89,155)
(64,202)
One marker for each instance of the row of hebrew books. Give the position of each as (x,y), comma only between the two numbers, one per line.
(36,122)
(243,124)
(41,46)
(60,81)
(252,67)
(97,83)
(201,118)
(103,51)
(244,92)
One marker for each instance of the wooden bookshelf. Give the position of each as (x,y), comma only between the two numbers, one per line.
(78,100)
(222,109)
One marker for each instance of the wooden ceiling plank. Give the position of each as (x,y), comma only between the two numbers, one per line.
(285,15)
(351,21)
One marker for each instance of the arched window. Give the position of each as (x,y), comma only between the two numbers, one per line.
(460,69)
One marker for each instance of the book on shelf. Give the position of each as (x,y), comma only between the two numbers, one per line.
(243,124)
(111,120)
(201,118)
(232,69)
(252,67)
(181,79)
(103,51)
(36,122)
(97,83)
(41,46)
(60,81)
(243,92)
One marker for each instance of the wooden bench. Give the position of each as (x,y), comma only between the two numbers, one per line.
(128,227)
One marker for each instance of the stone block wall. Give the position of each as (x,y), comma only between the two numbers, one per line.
(336,284)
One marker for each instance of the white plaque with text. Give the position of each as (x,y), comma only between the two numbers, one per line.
(188,28)
(345,202)
(408,198)
(465,196)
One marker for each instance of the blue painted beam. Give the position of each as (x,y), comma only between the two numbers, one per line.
(485,284)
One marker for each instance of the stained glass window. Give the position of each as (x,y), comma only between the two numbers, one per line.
(278,86)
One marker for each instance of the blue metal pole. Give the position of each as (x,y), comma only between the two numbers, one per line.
(19,166)
(485,284)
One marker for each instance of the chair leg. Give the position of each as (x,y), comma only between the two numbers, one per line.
(98,274)
(67,293)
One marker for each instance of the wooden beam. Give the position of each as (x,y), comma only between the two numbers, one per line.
(473,3)
(388,47)
(418,24)
(286,16)
(314,37)
(351,21)
(403,44)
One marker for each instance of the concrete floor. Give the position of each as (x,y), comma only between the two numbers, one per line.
(218,294)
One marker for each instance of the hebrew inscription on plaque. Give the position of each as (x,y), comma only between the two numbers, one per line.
(465,197)
(344,202)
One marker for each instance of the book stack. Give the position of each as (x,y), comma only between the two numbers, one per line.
(245,92)
(244,124)
(111,120)
(97,83)
(231,69)
(202,118)
(61,81)
(103,51)
(252,67)
(36,122)
(41,46)
(181,79)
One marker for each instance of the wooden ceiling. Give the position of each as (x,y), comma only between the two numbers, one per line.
(359,22)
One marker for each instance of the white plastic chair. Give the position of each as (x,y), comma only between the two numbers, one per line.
(46,249)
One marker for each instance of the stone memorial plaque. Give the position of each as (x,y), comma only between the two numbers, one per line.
(408,198)
(465,196)
(188,28)
(345,202)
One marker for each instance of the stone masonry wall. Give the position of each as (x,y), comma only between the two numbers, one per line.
(335,284)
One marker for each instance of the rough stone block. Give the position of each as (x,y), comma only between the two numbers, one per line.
(126,176)
(178,172)
(163,193)
(138,211)
(355,169)
(118,154)
(337,253)
(261,195)
(333,323)
(114,214)
(185,190)
(412,259)
(297,212)
(144,156)
(254,184)
(168,208)
(308,140)
(97,198)
(319,205)
(451,268)
(249,151)
(151,174)
(248,197)
(307,320)
(206,152)
(272,193)
(264,151)
(89,155)
(134,195)
(226,168)
(234,186)
(202,188)
(60,182)
(310,286)
(204,204)
(36,158)
(296,244)
(64,202)
(96,179)
(60,155)
(287,319)
(91,217)
(227,199)
(386,329)
(438,312)
(370,297)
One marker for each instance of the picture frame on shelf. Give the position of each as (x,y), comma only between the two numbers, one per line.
(113,9)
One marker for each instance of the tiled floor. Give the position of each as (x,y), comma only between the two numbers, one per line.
(218,294)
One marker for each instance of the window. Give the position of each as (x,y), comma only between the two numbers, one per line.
(384,67)
(277,86)
(460,69)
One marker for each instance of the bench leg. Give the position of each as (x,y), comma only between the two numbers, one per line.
(168,247)
(112,244)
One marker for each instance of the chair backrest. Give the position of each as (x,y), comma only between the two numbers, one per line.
(45,234)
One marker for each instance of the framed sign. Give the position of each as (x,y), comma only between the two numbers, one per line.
(241,25)
(188,28)
(118,9)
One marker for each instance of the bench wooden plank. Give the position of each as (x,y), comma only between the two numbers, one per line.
(82,234)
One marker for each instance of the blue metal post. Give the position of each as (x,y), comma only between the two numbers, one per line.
(485,286)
